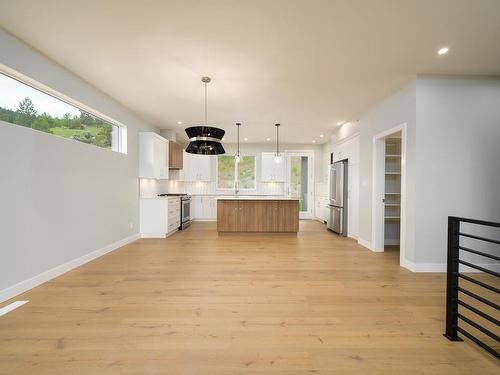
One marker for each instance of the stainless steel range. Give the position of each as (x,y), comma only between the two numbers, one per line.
(185,211)
(185,208)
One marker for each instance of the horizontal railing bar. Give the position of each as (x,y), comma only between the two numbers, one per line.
(480,283)
(454,306)
(479,298)
(479,268)
(475,221)
(479,327)
(479,238)
(479,342)
(479,312)
(479,253)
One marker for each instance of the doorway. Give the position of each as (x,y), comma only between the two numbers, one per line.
(389,191)
(299,179)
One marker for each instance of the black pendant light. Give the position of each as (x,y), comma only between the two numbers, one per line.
(238,154)
(277,155)
(205,140)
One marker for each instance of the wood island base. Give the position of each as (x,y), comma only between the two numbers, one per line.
(257,216)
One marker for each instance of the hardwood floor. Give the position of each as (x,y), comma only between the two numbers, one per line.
(196,303)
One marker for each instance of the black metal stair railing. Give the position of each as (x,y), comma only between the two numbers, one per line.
(454,290)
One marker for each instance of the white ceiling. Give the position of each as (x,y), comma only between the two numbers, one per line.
(306,64)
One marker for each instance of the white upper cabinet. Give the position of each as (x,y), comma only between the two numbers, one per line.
(197,167)
(270,170)
(153,156)
(326,166)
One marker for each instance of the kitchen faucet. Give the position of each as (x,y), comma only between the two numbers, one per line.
(236,187)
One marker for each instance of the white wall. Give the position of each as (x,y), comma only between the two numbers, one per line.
(458,156)
(397,109)
(61,199)
(452,155)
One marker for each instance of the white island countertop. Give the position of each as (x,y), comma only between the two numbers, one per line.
(162,198)
(229,197)
(256,198)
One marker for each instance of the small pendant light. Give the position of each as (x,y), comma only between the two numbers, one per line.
(237,157)
(277,155)
(205,140)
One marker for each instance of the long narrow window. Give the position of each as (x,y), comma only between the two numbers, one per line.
(24,105)
(231,174)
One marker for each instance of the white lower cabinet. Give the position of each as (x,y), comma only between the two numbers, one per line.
(196,207)
(325,210)
(211,207)
(321,208)
(159,217)
(204,207)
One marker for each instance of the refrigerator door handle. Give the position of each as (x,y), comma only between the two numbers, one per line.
(333,178)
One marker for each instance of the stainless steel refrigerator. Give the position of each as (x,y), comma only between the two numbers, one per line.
(337,218)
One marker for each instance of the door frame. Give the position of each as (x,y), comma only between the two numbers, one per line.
(378,190)
(310,154)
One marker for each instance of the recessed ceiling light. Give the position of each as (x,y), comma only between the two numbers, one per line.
(314,141)
(245,139)
(268,139)
(223,138)
(321,135)
(179,122)
(443,51)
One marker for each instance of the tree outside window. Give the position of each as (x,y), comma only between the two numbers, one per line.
(231,174)
(24,105)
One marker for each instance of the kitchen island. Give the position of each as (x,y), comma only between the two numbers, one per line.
(257,214)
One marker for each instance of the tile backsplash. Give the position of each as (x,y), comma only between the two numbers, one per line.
(152,187)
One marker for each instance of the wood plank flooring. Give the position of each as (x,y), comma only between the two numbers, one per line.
(196,303)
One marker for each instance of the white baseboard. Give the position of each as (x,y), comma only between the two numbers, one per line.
(204,219)
(423,267)
(368,245)
(153,235)
(410,266)
(365,243)
(392,242)
(158,235)
(34,281)
(431,267)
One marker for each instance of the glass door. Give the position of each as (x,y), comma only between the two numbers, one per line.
(300,181)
